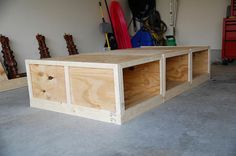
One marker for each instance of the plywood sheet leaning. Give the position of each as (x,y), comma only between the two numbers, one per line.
(141,82)
(92,88)
(6,85)
(48,83)
(3,75)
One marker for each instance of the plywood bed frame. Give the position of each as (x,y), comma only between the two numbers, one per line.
(116,86)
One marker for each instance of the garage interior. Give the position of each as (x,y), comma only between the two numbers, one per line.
(199,120)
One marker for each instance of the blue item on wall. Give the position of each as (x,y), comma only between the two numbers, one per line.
(142,38)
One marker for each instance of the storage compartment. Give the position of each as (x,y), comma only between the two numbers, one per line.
(92,88)
(176,71)
(141,83)
(48,82)
(230,35)
(113,88)
(200,63)
(229,39)
(233,7)
(230,49)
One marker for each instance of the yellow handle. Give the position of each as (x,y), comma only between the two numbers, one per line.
(108,43)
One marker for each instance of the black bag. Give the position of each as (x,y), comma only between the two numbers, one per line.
(142,8)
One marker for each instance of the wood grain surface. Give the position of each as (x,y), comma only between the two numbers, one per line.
(94,88)
(200,63)
(48,82)
(177,68)
(141,83)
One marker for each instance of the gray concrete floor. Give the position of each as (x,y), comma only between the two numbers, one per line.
(201,122)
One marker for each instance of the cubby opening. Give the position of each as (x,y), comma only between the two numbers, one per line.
(200,63)
(141,83)
(176,71)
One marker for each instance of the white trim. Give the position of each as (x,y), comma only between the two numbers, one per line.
(119,90)
(190,66)
(67,83)
(209,61)
(163,75)
(29,80)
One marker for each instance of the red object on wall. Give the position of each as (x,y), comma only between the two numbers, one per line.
(120,26)
(233,7)
(229,39)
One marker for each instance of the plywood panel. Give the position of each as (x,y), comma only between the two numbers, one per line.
(13,84)
(3,75)
(48,82)
(94,88)
(177,68)
(200,63)
(141,83)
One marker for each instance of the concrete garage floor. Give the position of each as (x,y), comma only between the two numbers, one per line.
(201,122)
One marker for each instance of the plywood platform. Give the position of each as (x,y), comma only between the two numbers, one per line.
(117,86)
(6,84)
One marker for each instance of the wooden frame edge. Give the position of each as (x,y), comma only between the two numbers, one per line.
(84,112)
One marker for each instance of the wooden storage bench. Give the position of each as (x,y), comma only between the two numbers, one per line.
(117,86)
(96,86)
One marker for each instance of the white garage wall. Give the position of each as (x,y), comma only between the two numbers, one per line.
(21,20)
(199,22)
